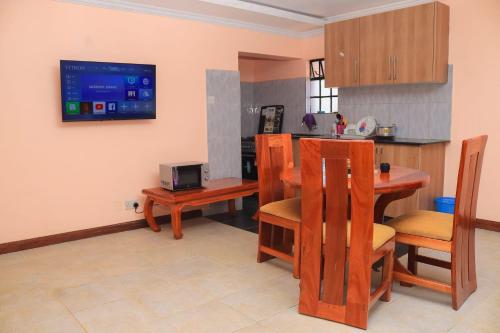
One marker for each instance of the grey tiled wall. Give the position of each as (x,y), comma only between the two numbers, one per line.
(249,119)
(291,93)
(223,126)
(420,111)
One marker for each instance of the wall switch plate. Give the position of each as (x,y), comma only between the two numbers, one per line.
(129,204)
(211,99)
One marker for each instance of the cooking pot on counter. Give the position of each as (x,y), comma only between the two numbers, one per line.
(386,131)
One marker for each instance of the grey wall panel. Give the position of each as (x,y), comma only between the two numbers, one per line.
(223,125)
(420,111)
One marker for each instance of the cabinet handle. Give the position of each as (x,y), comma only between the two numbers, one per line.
(356,70)
(395,68)
(390,68)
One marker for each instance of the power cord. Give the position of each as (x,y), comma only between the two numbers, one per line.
(136,205)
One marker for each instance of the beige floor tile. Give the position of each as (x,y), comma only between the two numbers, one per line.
(136,283)
(483,317)
(89,295)
(255,328)
(290,321)
(141,281)
(429,307)
(265,299)
(119,316)
(224,282)
(182,297)
(32,306)
(190,267)
(262,272)
(17,277)
(12,258)
(212,317)
(59,324)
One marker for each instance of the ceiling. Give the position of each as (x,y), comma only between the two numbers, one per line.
(298,18)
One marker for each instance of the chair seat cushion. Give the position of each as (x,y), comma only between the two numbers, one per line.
(381,234)
(287,209)
(425,223)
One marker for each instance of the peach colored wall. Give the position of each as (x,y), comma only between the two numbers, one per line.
(57,177)
(266,70)
(475,55)
(247,70)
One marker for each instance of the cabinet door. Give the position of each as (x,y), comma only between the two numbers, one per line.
(342,54)
(376,45)
(414,44)
(405,156)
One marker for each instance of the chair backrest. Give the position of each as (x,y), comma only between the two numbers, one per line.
(274,155)
(464,222)
(334,204)
(469,174)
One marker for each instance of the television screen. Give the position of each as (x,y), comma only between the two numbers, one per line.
(107,91)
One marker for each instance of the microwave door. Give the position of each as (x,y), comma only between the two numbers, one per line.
(188,176)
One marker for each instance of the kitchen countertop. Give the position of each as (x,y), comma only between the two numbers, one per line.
(396,140)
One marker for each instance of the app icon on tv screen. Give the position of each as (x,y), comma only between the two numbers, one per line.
(107,91)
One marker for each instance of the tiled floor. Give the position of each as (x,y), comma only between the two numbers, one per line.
(140,281)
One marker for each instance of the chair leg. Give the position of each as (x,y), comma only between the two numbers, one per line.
(265,231)
(463,276)
(296,252)
(412,263)
(387,275)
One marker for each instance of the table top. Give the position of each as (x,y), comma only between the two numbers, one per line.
(215,187)
(398,179)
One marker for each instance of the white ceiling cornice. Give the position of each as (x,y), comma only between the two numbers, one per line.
(377,10)
(261,9)
(161,11)
(267,10)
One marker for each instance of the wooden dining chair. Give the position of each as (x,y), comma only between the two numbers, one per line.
(341,246)
(278,217)
(445,232)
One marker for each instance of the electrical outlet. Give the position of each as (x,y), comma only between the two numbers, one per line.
(129,204)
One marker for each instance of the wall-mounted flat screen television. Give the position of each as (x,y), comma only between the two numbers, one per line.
(107,91)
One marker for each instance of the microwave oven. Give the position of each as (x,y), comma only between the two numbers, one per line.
(183,176)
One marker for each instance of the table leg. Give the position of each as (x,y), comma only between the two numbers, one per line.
(412,263)
(148,214)
(231,205)
(175,213)
(385,199)
(288,241)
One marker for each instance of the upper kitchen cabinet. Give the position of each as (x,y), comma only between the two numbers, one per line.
(420,44)
(376,48)
(342,54)
(404,46)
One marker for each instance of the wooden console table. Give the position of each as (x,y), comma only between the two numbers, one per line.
(216,190)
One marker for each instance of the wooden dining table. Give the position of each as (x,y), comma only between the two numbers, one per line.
(398,183)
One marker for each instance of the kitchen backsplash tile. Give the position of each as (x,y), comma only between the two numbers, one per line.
(420,111)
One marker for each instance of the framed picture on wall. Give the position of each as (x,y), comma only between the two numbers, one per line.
(271,119)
